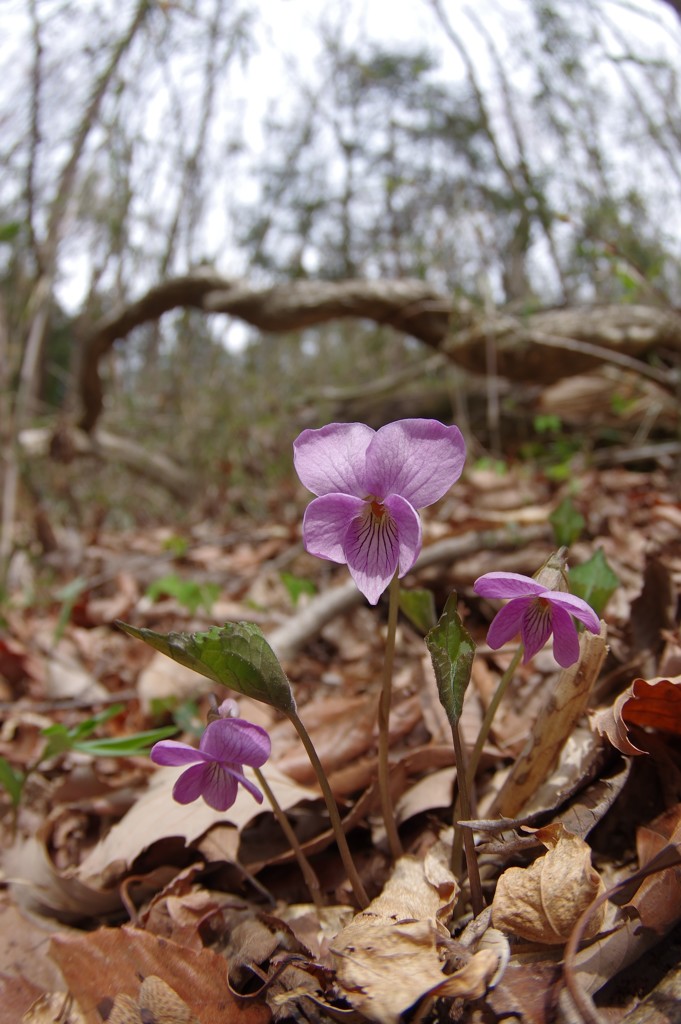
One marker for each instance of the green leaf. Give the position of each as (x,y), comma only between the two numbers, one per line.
(189,594)
(125,746)
(69,594)
(594,581)
(451,650)
(296,586)
(59,740)
(235,655)
(88,726)
(12,780)
(419,607)
(9,230)
(567,523)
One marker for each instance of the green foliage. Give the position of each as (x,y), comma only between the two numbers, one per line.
(11,780)
(547,424)
(296,586)
(61,738)
(594,581)
(499,466)
(191,595)
(419,608)
(236,655)
(68,594)
(556,452)
(177,545)
(567,522)
(9,230)
(451,650)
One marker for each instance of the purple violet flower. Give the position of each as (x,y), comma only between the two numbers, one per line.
(217,766)
(535,612)
(369,486)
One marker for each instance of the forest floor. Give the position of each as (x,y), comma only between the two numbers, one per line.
(120,905)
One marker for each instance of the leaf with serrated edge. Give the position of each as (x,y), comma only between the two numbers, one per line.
(236,655)
(451,650)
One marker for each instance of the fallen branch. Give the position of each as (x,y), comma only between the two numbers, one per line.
(531,347)
(69,443)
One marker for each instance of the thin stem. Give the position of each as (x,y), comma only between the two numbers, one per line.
(460,833)
(336,824)
(306,868)
(468,840)
(491,712)
(384,722)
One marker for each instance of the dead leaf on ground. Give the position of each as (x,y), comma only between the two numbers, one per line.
(387,958)
(113,962)
(649,703)
(157,816)
(542,903)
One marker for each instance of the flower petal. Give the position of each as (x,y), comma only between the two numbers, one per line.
(507,623)
(372,551)
(536,625)
(332,459)
(220,788)
(577,607)
(565,637)
(171,752)
(419,459)
(506,584)
(236,740)
(408,530)
(326,523)
(192,782)
(237,771)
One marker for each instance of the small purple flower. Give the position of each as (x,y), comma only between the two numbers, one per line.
(217,766)
(369,486)
(535,612)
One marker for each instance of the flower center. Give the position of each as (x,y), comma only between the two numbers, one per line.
(377,508)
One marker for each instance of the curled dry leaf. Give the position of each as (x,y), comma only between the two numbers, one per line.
(541,903)
(157,1003)
(387,958)
(649,703)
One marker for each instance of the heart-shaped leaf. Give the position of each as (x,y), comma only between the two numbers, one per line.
(236,655)
(451,650)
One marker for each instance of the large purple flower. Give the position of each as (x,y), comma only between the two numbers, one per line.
(370,485)
(535,612)
(217,766)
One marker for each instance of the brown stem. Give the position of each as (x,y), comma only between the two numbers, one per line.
(468,841)
(384,722)
(306,868)
(334,816)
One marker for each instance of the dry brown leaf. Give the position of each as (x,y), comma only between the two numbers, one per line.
(113,962)
(51,1007)
(157,816)
(163,679)
(541,903)
(157,1002)
(387,958)
(649,703)
(563,708)
(17,995)
(651,912)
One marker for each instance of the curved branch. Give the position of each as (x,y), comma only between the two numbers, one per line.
(531,348)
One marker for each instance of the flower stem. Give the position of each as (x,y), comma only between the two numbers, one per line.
(477,901)
(459,811)
(384,721)
(306,868)
(491,712)
(334,816)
